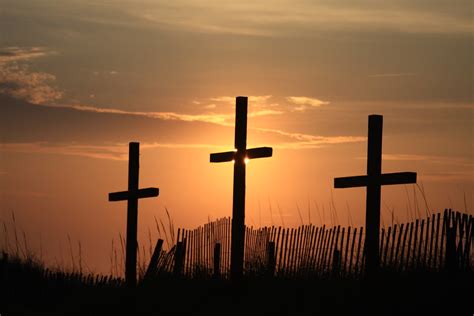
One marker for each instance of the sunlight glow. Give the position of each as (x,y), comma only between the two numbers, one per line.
(233,160)
(246,160)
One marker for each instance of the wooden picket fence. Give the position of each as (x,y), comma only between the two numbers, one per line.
(441,241)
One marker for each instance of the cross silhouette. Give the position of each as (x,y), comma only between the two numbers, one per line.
(132,196)
(373,181)
(239,156)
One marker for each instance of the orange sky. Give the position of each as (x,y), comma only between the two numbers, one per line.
(78,82)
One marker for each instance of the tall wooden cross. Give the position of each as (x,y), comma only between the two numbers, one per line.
(240,156)
(132,196)
(373,181)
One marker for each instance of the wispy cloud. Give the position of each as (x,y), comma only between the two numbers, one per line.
(16,80)
(91,151)
(209,106)
(14,54)
(285,140)
(389,75)
(215,118)
(302,103)
(119,151)
(308,141)
(449,176)
(110,152)
(36,87)
(458,161)
(437,168)
(263,18)
(105,73)
(254,99)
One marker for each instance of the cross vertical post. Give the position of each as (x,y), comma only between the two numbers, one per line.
(374,170)
(132,215)
(238,205)
(240,155)
(374,181)
(132,196)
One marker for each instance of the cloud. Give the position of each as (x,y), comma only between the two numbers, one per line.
(308,141)
(289,17)
(449,176)
(259,98)
(14,54)
(284,140)
(100,152)
(261,102)
(209,106)
(117,151)
(254,99)
(105,73)
(389,75)
(215,118)
(225,119)
(437,168)
(306,102)
(225,99)
(458,161)
(111,152)
(19,82)
(16,80)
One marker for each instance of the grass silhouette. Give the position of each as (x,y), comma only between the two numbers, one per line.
(27,287)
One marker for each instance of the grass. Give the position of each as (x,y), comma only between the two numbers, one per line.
(15,243)
(28,288)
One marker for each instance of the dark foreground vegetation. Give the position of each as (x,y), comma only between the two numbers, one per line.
(27,288)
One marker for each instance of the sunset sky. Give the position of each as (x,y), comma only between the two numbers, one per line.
(81,79)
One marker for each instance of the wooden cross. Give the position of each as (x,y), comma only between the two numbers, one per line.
(240,157)
(132,196)
(373,181)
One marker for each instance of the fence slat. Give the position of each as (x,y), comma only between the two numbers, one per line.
(420,243)
(287,250)
(361,231)
(433,219)
(423,262)
(327,252)
(394,236)
(409,245)
(354,234)
(320,246)
(308,250)
(397,263)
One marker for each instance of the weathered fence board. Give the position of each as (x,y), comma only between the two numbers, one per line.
(308,250)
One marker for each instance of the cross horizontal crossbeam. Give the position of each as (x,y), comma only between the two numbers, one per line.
(223,157)
(253,153)
(260,152)
(383,179)
(125,195)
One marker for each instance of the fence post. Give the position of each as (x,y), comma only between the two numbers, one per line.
(336,263)
(153,265)
(178,259)
(217,260)
(451,259)
(271,260)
